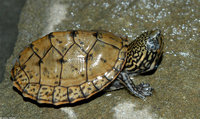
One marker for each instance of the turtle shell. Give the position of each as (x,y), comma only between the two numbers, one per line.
(66,67)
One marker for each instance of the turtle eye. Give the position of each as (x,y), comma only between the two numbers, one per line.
(152,40)
(152,44)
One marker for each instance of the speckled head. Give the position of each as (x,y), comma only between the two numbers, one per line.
(144,52)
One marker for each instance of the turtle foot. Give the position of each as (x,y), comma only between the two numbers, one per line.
(143,90)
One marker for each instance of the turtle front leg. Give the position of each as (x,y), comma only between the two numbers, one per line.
(142,90)
(115,85)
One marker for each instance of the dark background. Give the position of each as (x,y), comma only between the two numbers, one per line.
(9,17)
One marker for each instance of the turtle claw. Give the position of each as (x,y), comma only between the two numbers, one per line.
(143,90)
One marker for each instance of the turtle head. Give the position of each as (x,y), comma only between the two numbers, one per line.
(145,52)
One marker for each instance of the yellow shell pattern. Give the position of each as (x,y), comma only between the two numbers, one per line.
(66,67)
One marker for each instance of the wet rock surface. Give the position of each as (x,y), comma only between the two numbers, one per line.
(176,82)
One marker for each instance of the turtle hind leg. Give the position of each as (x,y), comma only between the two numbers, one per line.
(142,90)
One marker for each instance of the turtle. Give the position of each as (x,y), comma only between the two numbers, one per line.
(65,67)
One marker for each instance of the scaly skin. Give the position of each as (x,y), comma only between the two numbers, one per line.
(144,52)
(142,56)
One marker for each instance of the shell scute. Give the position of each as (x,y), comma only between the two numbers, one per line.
(111,74)
(100,82)
(119,65)
(26,53)
(88,88)
(85,40)
(45,94)
(31,91)
(100,61)
(41,47)
(15,70)
(32,69)
(75,93)
(62,41)
(60,95)
(111,39)
(21,80)
(51,68)
(74,67)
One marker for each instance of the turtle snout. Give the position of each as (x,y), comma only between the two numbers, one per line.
(152,41)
